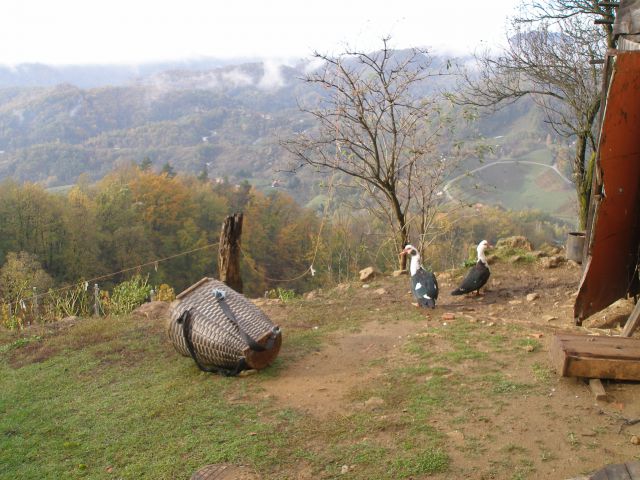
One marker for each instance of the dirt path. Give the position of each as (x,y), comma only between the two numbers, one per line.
(556,431)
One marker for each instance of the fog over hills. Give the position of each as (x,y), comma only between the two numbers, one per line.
(57,123)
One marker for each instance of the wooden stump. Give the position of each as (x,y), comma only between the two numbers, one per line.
(229,252)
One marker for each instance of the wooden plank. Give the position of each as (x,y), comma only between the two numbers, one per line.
(186,292)
(596,356)
(597,389)
(632,321)
(601,346)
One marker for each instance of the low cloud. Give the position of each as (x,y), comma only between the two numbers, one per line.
(272,78)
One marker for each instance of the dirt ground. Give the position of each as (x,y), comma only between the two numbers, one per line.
(556,431)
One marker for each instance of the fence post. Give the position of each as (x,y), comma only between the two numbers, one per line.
(96,300)
(229,252)
(36,307)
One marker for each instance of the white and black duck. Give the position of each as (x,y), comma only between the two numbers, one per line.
(478,275)
(423,282)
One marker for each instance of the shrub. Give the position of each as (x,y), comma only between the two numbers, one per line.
(165,293)
(129,294)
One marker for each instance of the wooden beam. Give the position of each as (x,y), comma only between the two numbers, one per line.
(632,321)
(589,356)
(597,389)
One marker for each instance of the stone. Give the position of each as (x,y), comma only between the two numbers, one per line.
(532,296)
(539,254)
(529,348)
(516,242)
(310,295)
(635,440)
(552,262)
(153,310)
(380,291)
(397,273)
(516,258)
(344,469)
(549,318)
(492,258)
(366,285)
(367,274)
(341,287)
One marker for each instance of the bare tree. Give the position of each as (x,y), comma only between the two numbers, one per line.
(375,124)
(554,54)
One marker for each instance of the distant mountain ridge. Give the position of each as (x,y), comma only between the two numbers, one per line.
(225,119)
(91,76)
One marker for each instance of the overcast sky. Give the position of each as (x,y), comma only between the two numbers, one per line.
(136,31)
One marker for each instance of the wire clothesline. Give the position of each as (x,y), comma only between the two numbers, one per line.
(124,270)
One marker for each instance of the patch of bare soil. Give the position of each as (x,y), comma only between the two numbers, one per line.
(557,430)
(333,373)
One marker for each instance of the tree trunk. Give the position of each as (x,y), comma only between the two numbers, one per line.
(229,252)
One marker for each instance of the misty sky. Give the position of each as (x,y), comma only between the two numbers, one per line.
(136,31)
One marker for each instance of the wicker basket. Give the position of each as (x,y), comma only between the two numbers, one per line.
(221,330)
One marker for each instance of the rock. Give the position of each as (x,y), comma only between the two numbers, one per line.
(444,275)
(310,295)
(539,254)
(367,274)
(529,348)
(635,440)
(491,259)
(341,287)
(552,262)
(380,291)
(344,469)
(550,249)
(516,241)
(397,273)
(549,318)
(153,310)
(532,296)
(366,285)
(516,258)
(374,402)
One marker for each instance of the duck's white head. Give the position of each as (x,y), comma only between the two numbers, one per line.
(415,257)
(482,246)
